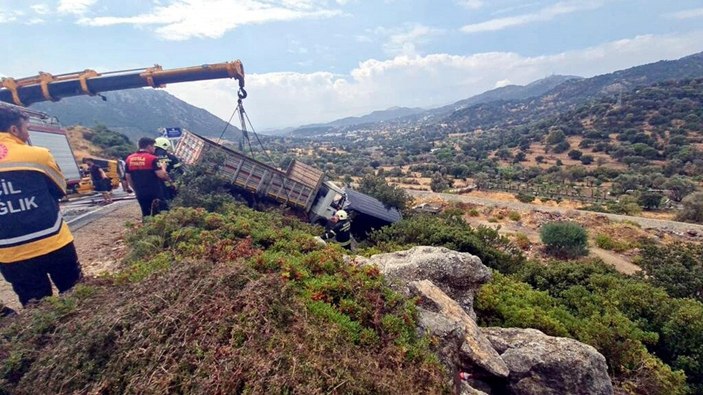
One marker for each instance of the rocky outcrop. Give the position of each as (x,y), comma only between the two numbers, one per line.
(495,360)
(541,364)
(445,319)
(458,274)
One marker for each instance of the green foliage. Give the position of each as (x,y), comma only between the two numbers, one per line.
(452,232)
(390,195)
(650,200)
(555,137)
(217,299)
(564,239)
(623,318)
(114,145)
(514,216)
(679,187)
(677,268)
(692,210)
(606,242)
(200,186)
(575,154)
(525,197)
(439,183)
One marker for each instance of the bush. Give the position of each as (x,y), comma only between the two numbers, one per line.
(389,195)
(692,209)
(677,268)
(607,243)
(587,159)
(525,197)
(565,239)
(575,154)
(514,216)
(453,232)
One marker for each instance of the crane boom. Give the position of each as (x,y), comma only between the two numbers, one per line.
(48,87)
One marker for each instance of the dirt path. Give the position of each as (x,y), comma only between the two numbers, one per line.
(621,264)
(675,226)
(100,245)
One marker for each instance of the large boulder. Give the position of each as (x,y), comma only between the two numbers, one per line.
(541,364)
(460,337)
(458,274)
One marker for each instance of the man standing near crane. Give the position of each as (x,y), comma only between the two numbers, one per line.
(145,176)
(36,246)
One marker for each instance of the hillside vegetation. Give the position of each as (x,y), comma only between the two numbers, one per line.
(635,150)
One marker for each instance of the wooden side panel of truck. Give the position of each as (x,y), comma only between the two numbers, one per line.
(296,188)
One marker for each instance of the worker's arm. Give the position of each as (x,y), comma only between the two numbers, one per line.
(129,181)
(163,175)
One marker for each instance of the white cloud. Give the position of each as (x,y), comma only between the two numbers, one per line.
(470,4)
(406,40)
(77,7)
(41,9)
(502,83)
(9,16)
(542,15)
(184,19)
(686,14)
(290,99)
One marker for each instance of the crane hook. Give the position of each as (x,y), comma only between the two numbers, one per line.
(242,94)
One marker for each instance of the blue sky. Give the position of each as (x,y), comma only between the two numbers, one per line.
(318,60)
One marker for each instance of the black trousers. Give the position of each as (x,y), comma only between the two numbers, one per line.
(30,278)
(151,205)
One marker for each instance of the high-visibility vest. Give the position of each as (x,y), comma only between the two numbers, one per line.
(31,185)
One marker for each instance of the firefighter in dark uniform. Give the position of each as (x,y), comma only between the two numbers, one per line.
(173,166)
(145,176)
(341,229)
(36,246)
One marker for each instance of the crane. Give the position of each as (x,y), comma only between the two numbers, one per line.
(48,87)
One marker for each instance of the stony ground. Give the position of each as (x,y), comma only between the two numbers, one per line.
(99,244)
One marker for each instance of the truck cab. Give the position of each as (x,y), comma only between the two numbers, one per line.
(329,199)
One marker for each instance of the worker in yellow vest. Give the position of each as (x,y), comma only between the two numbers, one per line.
(36,246)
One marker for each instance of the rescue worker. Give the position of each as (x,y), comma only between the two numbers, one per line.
(341,229)
(36,246)
(101,182)
(145,176)
(172,164)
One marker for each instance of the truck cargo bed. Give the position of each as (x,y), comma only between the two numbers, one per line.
(296,187)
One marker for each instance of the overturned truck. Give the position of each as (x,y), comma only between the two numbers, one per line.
(301,187)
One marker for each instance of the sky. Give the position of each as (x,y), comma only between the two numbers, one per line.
(310,61)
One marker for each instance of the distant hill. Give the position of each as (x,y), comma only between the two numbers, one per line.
(518,105)
(136,113)
(572,94)
(374,117)
(510,92)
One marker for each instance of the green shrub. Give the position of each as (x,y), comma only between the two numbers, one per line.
(564,239)
(692,210)
(495,251)
(607,243)
(473,213)
(525,197)
(514,216)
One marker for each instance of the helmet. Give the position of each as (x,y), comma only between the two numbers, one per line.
(162,142)
(341,214)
